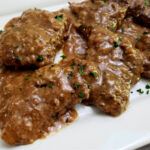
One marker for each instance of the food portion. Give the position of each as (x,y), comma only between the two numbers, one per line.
(120,65)
(140,37)
(31,102)
(99,12)
(140,10)
(104,46)
(32,39)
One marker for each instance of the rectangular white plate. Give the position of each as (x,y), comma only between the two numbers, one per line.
(92,130)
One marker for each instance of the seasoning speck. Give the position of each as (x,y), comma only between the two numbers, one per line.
(140,91)
(76,85)
(81,95)
(63,56)
(147,86)
(59,17)
(40,58)
(50,85)
(93,74)
(81,70)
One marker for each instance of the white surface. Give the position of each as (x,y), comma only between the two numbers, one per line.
(92,130)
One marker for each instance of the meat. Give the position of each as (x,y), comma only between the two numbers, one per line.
(32,39)
(140,37)
(74,45)
(31,102)
(140,10)
(104,52)
(120,65)
(109,15)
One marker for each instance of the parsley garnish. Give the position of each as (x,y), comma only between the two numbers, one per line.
(76,85)
(63,56)
(27,78)
(81,95)
(93,74)
(72,65)
(1,31)
(59,17)
(18,58)
(70,75)
(117,43)
(147,3)
(147,86)
(140,91)
(81,70)
(145,32)
(50,85)
(39,58)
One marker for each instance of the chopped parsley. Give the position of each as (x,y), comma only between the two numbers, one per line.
(18,59)
(70,75)
(81,70)
(40,58)
(147,92)
(140,91)
(145,33)
(1,31)
(72,65)
(147,86)
(76,86)
(81,95)
(147,3)
(50,85)
(93,74)
(138,38)
(122,29)
(27,77)
(63,56)
(112,26)
(117,43)
(59,17)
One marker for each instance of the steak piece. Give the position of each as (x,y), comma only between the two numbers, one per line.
(106,14)
(74,45)
(120,65)
(140,37)
(32,39)
(140,10)
(31,102)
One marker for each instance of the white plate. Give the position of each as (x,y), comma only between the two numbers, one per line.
(92,130)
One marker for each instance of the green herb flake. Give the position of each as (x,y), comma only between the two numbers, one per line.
(146,3)
(117,43)
(138,38)
(18,58)
(147,86)
(140,91)
(27,78)
(147,92)
(81,95)
(93,74)
(145,33)
(72,65)
(1,31)
(59,17)
(81,70)
(76,86)
(63,56)
(112,26)
(39,58)
(122,29)
(50,85)
(70,75)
